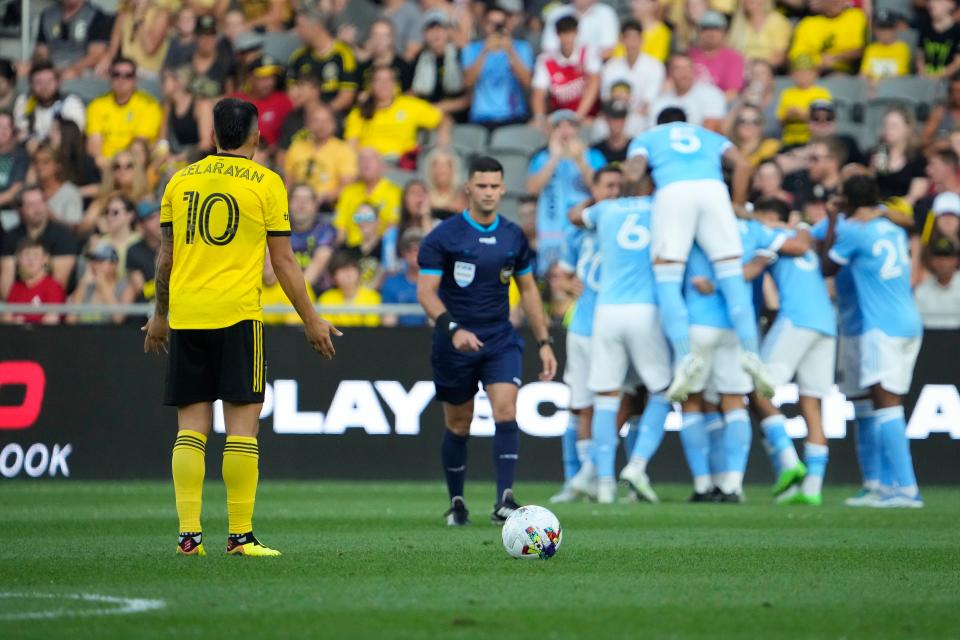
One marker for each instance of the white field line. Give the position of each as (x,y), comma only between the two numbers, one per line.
(124,605)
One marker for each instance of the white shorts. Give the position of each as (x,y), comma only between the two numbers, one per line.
(625,335)
(790,351)
(720,350)
(694,210)
(888,361)
(848,367)
(577,370)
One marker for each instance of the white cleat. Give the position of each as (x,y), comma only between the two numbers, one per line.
(900,501)
(565,495)
(688,370)
(865,498)
(606,490)
(584,483)
(762,382)
(637,480)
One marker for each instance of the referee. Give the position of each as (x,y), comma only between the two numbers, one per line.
(217,218)
(466,265)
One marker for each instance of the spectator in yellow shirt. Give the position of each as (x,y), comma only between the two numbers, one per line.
(119,117)
(347,291)
(371,188)
(389,122)
(886,57)
(834,39)
(320,159)
(759,32)
(272,295)
(793,111)
(656,35)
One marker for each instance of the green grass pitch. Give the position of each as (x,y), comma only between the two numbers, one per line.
(366,560)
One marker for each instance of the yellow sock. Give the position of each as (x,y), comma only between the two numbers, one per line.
(189,450)
(240,474)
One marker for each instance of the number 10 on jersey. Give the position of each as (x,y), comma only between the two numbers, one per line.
(198,217)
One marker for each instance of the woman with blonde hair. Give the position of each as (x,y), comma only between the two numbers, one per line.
(897,161)
(747,135)
(758,32)
(443,176)
(126,175)
(140,33)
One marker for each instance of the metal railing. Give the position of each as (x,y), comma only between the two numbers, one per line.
(146,308)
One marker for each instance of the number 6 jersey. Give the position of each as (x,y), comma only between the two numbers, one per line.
(221,210)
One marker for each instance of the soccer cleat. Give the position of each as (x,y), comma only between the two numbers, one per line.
(752,364)
(565,495)
(899,501)
(865,498)
(457,515)
(638,481)
(606,490)
(503,509)
(687,372)
(190,545)
(730,498)
(248,545)
(789,477)
(803,499)
(787,496)
(706,497)
(584,483)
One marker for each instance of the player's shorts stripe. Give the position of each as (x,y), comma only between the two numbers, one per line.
(259,326)
(256,357)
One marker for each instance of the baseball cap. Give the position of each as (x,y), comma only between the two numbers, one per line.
(147,209)
(434,18)
(713,20)
(823,105)
(247,42)
(207,26)
(563,115)
(616,109)
(102,253)
(265,66)
(941,247)
(885,19)
(947,203)
(509,6)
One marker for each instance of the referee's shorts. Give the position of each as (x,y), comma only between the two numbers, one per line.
(206,365)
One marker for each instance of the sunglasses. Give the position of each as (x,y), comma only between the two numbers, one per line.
(823,119)
(126,167)
(120,75)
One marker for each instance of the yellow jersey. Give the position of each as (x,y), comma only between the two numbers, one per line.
(797,131)
(385,197)
(393,131)
(273,295)
(326,168)
(656,43)
(885,60)
(335,298)
(222,209)
(819,35)
(119,125)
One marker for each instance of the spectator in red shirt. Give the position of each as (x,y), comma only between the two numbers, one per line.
(715,61)
(35,285)
(566,79)
(263,90)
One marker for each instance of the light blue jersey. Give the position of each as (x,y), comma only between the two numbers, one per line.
(879,260)
(704,310)
(804,299)
(848,308)
(680,151)
(623,235)
(581,256)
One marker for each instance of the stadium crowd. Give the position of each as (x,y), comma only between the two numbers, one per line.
(369,111)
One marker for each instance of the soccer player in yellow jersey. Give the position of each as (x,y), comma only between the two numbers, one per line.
(217,218)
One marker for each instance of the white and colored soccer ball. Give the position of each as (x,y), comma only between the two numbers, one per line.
(532,532)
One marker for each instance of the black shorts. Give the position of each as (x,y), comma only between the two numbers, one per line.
(206,365)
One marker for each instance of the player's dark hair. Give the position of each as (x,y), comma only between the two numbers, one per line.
(29,243)
(773,205)
(947,156)
(631,25)
(566,24)
(671,114)
(861,191)
(607,168)
(484,164)
(233,120)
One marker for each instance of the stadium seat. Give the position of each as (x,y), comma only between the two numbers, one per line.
(85,88)
(281,45)
(151,86)
(399,177)
(514,171)
(510,207)
(520,138)
(915,89)
(471,138)
(846,90)
(901,7)
(910,37)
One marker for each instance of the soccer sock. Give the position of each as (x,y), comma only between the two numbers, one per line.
(774,430)
(815,456)
(673,310)
(506,454)
(868,446)
(892,428)
(737,437)
(696,448)
(605,434)
(585,452)
(240,474)
(713,423)
(771,456)
(633,432)
(651,428)
(736,294)
(453,456)
(189,451)
(571,462)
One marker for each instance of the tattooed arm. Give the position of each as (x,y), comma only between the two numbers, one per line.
(157,327)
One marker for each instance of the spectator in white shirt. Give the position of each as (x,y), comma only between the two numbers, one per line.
(566,79)
(938,296)
(644,73)
(598,27)
(33,112)
(704,104)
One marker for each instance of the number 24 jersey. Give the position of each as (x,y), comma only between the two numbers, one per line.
(221,210)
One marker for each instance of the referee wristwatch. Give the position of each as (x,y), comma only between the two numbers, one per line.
(546,341)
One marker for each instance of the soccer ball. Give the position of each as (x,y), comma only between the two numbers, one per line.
(532,532)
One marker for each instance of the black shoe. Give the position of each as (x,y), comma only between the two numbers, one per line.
(730,498)
(503,509)
(457,514)
(716,495)
(701,497)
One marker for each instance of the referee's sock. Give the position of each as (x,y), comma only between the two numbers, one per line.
(736,293)
(506,453)
(240,474)
(189,450)
(673,310)
(453,456)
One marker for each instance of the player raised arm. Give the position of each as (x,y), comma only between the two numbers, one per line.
(291,281)
(533,308)
(741,176)
(428,287)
